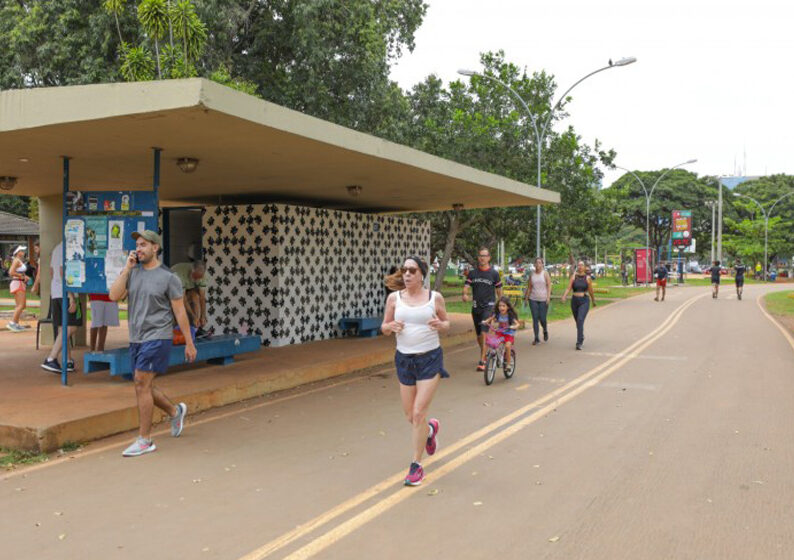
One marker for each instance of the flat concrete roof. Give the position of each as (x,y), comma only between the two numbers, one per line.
(249,150)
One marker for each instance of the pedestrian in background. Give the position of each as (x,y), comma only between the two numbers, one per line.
(18,272)
(104,314)
(538,294)
(582,286)
(715,279)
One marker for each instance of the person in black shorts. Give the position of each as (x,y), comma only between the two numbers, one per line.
(661,280)
(486,286)
(739,269)
(715,279)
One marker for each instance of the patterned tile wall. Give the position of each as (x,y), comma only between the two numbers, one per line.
(289,273)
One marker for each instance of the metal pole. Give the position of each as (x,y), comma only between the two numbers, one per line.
(647,233)
(719,223)
(64,298)
(766,239)
(537,226)
(713,219)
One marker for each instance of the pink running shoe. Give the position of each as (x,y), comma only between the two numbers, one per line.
(415,475)
(432,441)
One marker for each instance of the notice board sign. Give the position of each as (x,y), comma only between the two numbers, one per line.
(97,235)
(682,228)
(643,258)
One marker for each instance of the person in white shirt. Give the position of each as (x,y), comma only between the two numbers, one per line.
(415,315)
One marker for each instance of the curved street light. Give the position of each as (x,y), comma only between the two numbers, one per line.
(767,215)
(648,196)
(540,131)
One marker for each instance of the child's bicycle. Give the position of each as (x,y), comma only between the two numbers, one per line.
(495,357)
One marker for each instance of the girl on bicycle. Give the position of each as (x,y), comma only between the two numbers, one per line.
(504,324)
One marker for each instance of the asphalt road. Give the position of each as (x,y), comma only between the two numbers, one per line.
(668,437)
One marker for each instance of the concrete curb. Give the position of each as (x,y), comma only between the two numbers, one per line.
(51,438)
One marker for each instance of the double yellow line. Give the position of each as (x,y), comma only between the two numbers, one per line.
(522,417)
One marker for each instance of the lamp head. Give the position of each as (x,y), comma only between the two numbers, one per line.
(625,61)
(690,161)
(187,164)
(7,183)
(464,72)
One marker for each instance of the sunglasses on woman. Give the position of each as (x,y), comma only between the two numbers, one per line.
(410,269)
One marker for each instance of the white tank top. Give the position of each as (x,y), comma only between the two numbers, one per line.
(539,291)
(417,336)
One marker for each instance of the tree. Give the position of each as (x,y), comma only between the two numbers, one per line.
(678,190)
(19,205)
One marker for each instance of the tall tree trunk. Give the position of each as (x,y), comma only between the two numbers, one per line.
(118,27)
(170,27)
(157,56)
(452,233)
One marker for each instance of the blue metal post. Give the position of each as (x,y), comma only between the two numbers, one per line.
(64,298)
(156,183)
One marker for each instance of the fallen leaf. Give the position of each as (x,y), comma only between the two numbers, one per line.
(196,480)
(381,433)
(38,524)
(61,536)
(58,513)
(477,503)
(433,492)
(205,549)
(538,483)
(490,456)
(554,539)
(536,466)
(758,482)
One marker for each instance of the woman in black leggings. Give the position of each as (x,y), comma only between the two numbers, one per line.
(581,286)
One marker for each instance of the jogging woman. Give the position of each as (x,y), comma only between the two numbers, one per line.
(539,295)
(416,315)
(18,272)
(581,285)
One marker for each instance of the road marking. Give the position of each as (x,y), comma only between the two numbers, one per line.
(523,387)
(775,322)
(641,356)
(557,397)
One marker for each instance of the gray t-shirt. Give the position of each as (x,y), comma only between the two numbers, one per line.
(150,316)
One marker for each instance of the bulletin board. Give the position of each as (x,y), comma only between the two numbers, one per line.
(98,235)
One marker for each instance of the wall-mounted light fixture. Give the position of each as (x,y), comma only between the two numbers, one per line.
(187,164)
(353,190)
(7,183)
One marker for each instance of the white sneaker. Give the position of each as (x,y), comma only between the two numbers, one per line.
(140,447)
(178,421)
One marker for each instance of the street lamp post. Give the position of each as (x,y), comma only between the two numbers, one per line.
(540,132)
(713,205)
(648,196)
(767,215)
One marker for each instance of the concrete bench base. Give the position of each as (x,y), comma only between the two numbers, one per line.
(367,327)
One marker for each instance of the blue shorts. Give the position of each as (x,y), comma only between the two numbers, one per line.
(151,356)
(418,367)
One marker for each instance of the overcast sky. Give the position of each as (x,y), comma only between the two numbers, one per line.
(713,79)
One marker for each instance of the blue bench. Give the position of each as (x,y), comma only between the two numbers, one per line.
(218,350)
(364,326)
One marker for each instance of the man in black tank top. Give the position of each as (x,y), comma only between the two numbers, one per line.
(486,286)
(739,268)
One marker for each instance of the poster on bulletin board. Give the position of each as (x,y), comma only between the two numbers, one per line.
(97,235)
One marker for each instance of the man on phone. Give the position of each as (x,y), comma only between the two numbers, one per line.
(155,298)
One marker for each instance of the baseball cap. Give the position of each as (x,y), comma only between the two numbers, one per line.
(148,235)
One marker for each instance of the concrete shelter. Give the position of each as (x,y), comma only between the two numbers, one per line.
(249,152)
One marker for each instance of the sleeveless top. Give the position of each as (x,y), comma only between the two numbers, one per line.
(538,283)
(580,283)
(21,269)
(416,337)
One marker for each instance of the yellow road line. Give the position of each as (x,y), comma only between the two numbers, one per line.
(306,528)
(347,527)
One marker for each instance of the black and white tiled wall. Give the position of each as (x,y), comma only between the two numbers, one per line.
(289,273)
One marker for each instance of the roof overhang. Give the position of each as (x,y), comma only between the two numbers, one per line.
(249,150)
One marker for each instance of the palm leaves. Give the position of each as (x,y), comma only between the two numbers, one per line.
(177,18)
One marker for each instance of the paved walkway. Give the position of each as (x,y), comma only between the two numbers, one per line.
(37,412)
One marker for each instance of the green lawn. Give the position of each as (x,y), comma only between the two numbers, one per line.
(780,303)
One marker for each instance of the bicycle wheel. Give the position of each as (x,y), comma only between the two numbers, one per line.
(490,368)
(510,370)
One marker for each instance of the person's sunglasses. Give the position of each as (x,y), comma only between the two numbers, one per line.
(410,269)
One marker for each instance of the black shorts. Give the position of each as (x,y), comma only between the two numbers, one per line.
(478,315)
(715,281)
(418,367)
(739,282)
(73,319)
